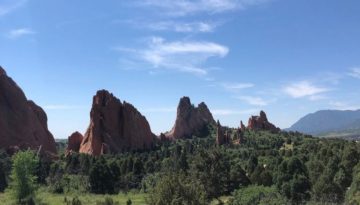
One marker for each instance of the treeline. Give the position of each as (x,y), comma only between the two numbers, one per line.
(268,168)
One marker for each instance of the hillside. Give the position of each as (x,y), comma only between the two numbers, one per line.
(329,123)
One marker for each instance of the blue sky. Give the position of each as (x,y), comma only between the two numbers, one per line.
(287,57)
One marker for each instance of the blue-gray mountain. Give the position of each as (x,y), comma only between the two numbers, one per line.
(335,123)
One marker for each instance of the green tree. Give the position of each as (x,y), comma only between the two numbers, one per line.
(101,178)
(212,168)
(23,177)
(177,189)
(353,194)
(257,195)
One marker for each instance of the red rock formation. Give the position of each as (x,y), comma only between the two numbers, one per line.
(115,127)
(261,123)
(190,120)
(23,124)
(222,138)
(74,142)
(242,126)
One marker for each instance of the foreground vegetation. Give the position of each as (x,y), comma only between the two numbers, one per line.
(45,197)
(267,168)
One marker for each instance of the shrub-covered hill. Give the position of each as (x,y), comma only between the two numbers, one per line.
(266,168)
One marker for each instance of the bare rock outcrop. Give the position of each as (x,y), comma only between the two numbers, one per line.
(74,142)
(23,124)
(221,136)
(115,127)
(261,123)
(190,120)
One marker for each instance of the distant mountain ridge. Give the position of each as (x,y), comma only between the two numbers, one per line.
(329,121)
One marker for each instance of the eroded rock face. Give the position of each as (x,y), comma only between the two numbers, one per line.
(242,126)
(23,124)
(261,123)
(74,142)
(115,127)
(190,120)
(221,137)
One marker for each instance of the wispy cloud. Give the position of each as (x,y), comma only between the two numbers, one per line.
(354,72)
(257,101)
(182,27)
(233,112)
(304,89)
(7,6)
(317,97)
(182,56)
(343,106)
(236,86)
(17,33)
(185,7)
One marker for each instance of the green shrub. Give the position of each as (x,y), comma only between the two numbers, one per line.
(23,177)
(257,195)
(177,189)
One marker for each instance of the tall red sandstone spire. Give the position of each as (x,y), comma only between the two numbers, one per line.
(115,127)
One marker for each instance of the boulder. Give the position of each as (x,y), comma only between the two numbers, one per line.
(190,120)
(261,123)
(115,127)
(23,124)
(74,142)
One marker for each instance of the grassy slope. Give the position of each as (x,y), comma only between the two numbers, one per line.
(88,199)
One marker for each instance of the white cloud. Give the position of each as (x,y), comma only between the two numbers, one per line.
(185,7)
(304,89)
(192,27)
(237,86)
(317,97)
(7,6)
(233,112)
(17,33)
(354,72)
(182,56)
(258,101)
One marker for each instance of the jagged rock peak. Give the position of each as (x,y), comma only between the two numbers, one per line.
(190,120)
(185,101)
(263,115)
(261,123)
(115,127)
(103,98)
